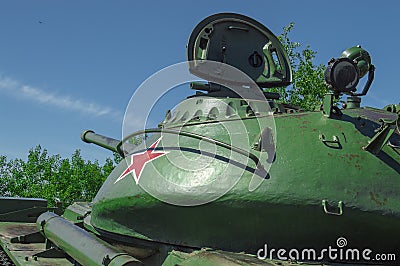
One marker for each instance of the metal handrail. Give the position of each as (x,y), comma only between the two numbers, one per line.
(196,136)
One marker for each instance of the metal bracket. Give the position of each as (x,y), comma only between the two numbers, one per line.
(327,104)
(340,208)
(334,143)
(382,136)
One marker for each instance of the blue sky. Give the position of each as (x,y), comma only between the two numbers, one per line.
(66,66)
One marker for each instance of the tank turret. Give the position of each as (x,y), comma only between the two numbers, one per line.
(234,170)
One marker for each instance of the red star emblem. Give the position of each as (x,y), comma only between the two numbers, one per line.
(139,160)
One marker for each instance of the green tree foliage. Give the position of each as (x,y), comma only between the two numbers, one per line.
(50,177)
(308,87)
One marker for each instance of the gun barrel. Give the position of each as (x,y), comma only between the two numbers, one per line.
(111,144)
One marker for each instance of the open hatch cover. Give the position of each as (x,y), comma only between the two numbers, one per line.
(241,42)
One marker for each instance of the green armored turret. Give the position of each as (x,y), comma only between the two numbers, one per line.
(232,173)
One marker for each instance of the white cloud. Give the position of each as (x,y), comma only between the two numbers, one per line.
(61,101)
